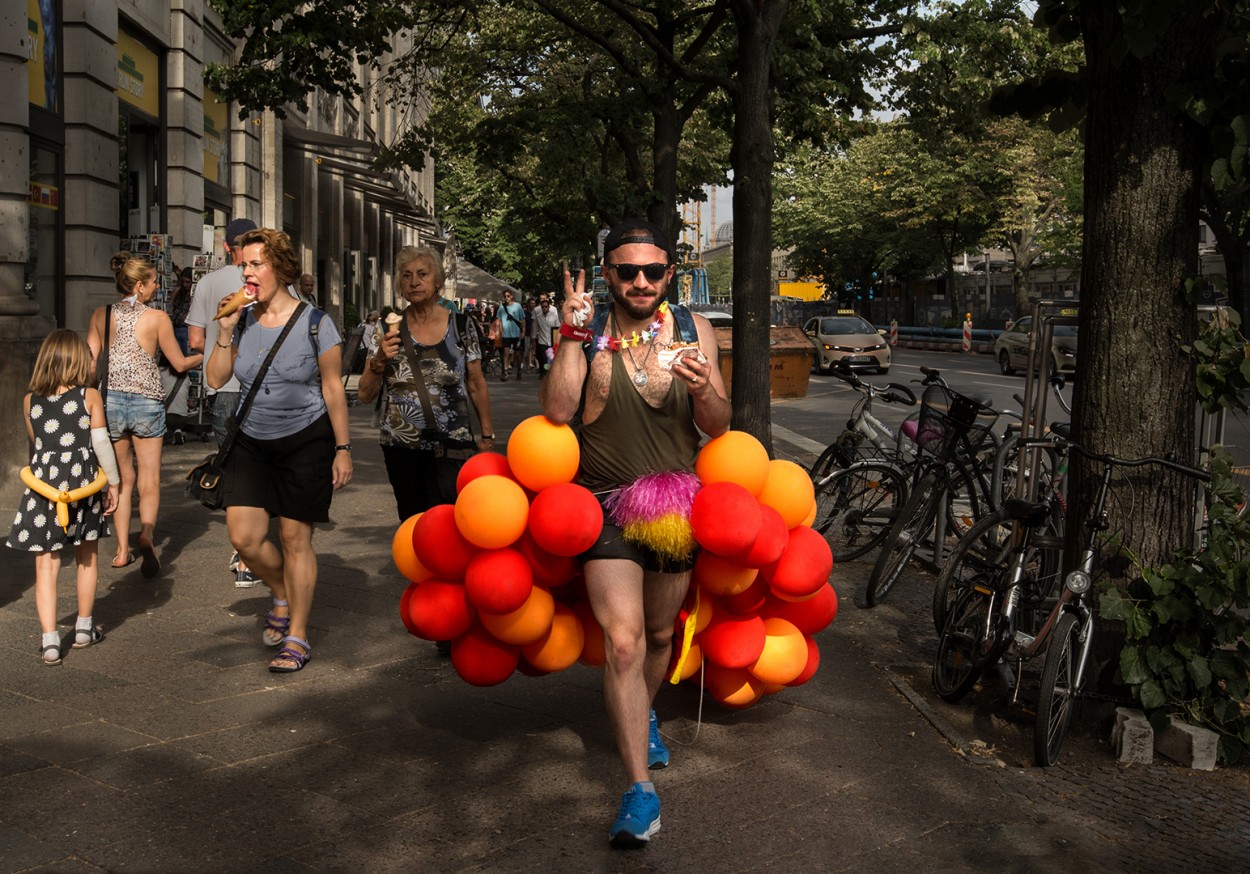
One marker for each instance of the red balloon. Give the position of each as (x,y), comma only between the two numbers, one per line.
(733,641)
(565,519)
(593,653)
(498,580)
(804,566)
(439,610)
(725,518)
(439,544)
(483,464)
(482,660)
(720,575)
(549,570)
(813,662)
(748,601)
(770,542)
(808,616)
(403,608)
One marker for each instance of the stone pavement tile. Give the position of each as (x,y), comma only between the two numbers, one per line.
(141,709)
(214,650)
(20,716)
(21,852)
(204,684)
(293,729)
(139,768)
(74,743)
(191,835)
(13,761)
(69,812)
(63,683)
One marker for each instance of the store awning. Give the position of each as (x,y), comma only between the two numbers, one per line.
(472,281)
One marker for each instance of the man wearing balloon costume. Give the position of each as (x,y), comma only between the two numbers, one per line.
(643,378)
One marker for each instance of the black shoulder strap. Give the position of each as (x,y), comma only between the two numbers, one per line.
(237,422)
(102,362)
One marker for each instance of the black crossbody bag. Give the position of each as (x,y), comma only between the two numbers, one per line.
(205,479)
(446,448)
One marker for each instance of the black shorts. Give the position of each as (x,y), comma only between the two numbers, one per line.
(511,342)
(613,545)
(291,477)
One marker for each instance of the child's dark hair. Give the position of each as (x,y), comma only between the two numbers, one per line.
(63,359)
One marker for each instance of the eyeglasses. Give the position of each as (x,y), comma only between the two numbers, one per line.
(628,272)
(255,265)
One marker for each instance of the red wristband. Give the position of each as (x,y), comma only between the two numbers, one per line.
(582,335)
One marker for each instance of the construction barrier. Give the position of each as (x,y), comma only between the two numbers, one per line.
(967,345)
(893,332)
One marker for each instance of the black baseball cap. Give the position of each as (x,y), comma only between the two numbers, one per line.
(238,228)
(638,231)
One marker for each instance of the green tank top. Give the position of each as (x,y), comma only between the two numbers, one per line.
(631,438)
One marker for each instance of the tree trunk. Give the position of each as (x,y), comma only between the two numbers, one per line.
(1135,393)
(662,210)
(751,158)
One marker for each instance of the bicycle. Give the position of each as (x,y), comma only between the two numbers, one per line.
(987,620)
(953,482)
(863,426)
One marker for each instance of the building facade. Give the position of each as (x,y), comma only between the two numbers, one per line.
(109,138)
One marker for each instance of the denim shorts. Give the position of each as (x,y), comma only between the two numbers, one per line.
(134,414)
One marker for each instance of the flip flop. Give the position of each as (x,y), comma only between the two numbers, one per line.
(151,564)
(130,559)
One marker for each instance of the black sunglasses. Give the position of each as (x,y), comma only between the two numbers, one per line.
(627,272)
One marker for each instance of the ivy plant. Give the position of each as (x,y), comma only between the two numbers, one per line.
(1186,627)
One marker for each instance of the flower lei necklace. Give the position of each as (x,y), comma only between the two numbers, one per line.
(609,343)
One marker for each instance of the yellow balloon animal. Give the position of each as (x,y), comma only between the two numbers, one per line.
(62,499)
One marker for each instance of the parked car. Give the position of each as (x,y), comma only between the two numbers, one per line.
(1011,348)
(847,339)
(718,319)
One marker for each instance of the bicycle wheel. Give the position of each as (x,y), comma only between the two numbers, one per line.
(856,506)
(838,454)
(1057,695)
(913,523)
(961,652)
(981,557)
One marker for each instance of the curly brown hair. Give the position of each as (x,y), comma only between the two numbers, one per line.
(279,251)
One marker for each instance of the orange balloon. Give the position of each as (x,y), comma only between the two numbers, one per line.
(785,653)
(527,623)
(811,516)
(593,652)
(542,453)
(789,491)
(732,687)
(722,576)
(707,609)
(404,556)
(492,511)
(735,457)
(562,644)
(694,661)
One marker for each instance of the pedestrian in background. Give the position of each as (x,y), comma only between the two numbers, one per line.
(546,323)
(512,326)
(65,422)
(134,397)
(429,368)
(293,448)
(307,283)
(179,306)
(202,333)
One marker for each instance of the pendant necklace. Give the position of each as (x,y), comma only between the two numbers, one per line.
(640,374)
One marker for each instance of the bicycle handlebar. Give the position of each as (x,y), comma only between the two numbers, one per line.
(889,394)
(1116,461)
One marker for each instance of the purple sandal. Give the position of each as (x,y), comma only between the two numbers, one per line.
(288,654)
(276,626)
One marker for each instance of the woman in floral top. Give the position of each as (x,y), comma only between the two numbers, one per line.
(426,434)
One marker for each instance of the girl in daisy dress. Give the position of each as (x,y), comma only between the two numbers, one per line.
(65,421)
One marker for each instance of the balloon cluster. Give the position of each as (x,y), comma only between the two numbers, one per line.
(497,574)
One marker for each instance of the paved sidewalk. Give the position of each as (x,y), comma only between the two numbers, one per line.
(170,747)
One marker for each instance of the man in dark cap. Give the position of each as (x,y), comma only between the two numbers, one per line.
(645,379)
(202,334)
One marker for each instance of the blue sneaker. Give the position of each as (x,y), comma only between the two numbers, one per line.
(638,820)
(657,753)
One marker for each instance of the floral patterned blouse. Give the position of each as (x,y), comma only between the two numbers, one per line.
(443,367)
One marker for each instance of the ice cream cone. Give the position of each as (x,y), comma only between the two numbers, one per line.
(240,298)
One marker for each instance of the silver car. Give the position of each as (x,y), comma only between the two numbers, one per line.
(848,340)
(1011,348)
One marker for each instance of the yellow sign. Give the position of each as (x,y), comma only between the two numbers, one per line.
(801,290)
(138,75)
(216,129)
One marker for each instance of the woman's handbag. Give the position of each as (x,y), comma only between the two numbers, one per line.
(205,479)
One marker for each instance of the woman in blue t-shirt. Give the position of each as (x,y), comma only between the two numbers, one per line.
(293,448)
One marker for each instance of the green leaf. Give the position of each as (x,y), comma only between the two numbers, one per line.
(1199,672)
(1132,667)
(1151,695)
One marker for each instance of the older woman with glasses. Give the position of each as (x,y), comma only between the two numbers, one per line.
(293,449)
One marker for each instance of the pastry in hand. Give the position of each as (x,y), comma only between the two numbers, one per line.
(240,298)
